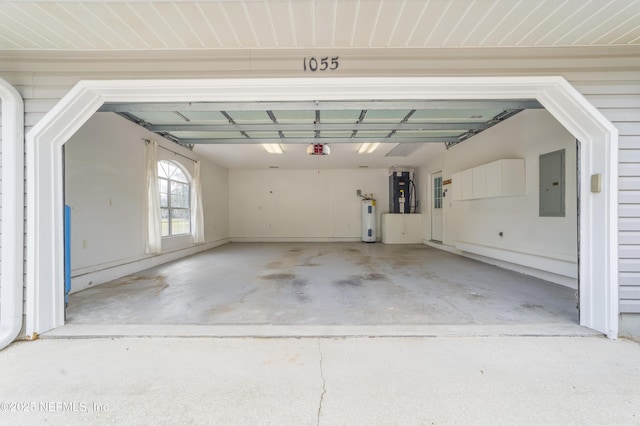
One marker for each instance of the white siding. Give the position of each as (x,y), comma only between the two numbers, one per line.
(620,103)
(611,82)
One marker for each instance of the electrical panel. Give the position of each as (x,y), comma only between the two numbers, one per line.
(401,190)
(552,184)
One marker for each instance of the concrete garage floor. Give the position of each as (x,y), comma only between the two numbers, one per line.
(329,284)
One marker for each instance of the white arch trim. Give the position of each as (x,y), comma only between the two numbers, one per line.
(11,293)
(599,147)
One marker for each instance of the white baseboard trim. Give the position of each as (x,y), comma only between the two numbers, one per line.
(550,276)
(441,246)
(83,280)
(294,239)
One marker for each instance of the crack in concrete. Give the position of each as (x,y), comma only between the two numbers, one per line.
(324,384)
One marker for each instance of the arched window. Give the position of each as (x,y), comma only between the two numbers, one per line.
(175,199)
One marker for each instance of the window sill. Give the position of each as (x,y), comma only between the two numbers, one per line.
(174,237)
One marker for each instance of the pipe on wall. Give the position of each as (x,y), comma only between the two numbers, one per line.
(11,269)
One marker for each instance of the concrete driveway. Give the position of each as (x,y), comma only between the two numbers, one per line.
(331,381)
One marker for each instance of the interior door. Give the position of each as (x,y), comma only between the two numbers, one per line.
(436,207)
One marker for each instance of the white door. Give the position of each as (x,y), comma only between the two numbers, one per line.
(436,207)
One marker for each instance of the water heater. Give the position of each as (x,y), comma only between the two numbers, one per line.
(369,221)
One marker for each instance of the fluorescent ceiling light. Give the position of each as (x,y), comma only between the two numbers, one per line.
(368,147)
(273,148)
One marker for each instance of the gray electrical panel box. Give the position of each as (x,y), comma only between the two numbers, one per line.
(552,184)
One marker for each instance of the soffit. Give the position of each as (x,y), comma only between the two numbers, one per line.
(337,24)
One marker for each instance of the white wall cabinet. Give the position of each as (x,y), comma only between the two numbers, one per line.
(502,178)
(467,187)
(463,185)
(479,184)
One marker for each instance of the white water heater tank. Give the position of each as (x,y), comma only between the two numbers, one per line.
(369,221)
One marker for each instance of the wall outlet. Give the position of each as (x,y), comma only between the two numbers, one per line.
(359,193)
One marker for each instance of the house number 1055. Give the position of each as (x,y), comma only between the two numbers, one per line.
(321,64)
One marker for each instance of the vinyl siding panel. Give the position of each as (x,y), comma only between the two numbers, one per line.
(620,104)
(619,101)
(628,211)
(629,197)
(627,128)
(630,237)
(622,115)
(629,251)
(629,265)
(628,169)
(628,224)
(612,85)
(629,142)
(629,282)
(630,305)
(630,292)
(614,101)
(628,183)
(629,155)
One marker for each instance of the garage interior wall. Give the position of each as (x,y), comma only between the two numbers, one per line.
(105,188)
(542,246)
(303,205)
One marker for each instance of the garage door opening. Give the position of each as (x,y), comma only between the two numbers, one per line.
(555,94)
(339,283)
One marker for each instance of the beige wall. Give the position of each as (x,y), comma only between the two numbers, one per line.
(105,188)
(545,243)
(303,205)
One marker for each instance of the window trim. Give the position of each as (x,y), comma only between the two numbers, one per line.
(169,208)
(437,193)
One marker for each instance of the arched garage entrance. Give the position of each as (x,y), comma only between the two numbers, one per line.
(598,227)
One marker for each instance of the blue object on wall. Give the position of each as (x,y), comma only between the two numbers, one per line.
(67,254)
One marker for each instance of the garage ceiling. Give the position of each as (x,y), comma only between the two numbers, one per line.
(274,24)
(362,133)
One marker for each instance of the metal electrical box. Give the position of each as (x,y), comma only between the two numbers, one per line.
(400,191)
(552,184)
